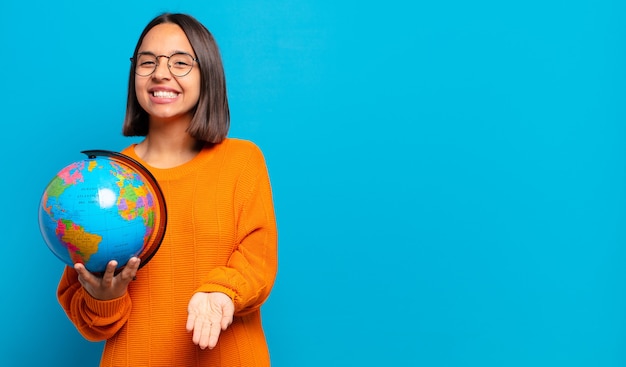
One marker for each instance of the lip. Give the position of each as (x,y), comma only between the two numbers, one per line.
(163,98)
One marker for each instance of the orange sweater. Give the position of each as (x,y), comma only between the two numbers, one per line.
(221,236)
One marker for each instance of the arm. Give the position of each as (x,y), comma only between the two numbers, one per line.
(249,275)
(244,283)
(97,318)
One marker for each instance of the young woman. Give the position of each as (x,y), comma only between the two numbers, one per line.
(197,302)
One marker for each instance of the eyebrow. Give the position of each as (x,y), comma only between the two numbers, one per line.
(173,52)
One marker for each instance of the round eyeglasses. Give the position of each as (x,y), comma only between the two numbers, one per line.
(179,63)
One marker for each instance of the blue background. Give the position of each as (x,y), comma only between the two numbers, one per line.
(448,176)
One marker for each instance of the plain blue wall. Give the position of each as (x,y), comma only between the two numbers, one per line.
(449,176)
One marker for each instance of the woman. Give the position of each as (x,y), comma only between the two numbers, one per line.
(197,302)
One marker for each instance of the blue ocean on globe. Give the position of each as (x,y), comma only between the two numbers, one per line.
(97,210)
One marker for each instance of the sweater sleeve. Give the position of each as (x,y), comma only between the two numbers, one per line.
(96,320)
(249,275)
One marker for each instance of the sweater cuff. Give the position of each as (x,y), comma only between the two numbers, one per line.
(109,308)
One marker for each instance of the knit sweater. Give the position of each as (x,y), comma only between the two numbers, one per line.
(220,237)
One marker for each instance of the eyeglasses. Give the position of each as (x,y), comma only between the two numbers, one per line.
(179,63)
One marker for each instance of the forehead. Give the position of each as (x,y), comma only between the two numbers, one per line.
(165,38)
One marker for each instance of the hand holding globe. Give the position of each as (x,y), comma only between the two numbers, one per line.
(112,284)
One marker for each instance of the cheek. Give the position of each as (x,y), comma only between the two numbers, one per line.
(137,86)
(141,96)
(197,96)
(193,93)
(194,85)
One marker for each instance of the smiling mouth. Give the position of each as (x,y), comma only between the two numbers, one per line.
(164,94)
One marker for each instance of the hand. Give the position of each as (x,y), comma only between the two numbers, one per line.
(109,286)
(209,314)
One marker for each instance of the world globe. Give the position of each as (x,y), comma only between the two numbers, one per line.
(102,208)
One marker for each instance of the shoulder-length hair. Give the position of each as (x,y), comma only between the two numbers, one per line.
(211,117)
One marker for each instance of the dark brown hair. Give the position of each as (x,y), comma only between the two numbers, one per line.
(211,118)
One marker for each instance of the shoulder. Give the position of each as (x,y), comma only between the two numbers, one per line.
(241,148)
(240,144)
(129,150)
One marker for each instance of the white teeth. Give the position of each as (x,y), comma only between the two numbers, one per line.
(164,94)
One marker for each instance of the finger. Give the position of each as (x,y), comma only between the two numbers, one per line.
(133,263)
(214,335)
(227,317)
(81,270)
(202,332)
(197,332)
(84,276)
(225,322)
(82,281)
(130,270)
(228,312)
(107,278)
(191,320)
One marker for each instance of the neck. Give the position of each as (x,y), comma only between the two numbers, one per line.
(168,145)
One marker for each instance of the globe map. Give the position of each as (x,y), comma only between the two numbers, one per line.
(103,208)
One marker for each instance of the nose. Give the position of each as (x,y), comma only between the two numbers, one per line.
(162,71)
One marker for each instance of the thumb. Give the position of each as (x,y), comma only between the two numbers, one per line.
(227,315)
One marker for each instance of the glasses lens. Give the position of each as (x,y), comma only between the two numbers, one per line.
(145,64)
(180,64)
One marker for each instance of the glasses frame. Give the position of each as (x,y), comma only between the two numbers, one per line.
(133,60)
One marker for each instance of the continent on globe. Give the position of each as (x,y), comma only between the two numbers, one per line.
(80,244)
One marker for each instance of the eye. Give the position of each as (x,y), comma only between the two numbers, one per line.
(181,61)
(146,61)
(145,64)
